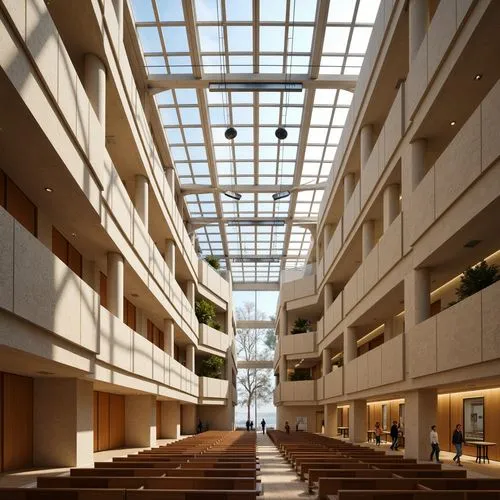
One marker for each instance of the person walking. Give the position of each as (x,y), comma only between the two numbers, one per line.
(287,427)
(378,433)
(248,425)
(458,441)
(251,425)
(434,438)
(200,426)
(263,424)
(394,435)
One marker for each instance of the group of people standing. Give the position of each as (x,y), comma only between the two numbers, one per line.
(457,440)
(249,425)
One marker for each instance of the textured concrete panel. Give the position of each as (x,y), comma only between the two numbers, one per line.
(389,247)
(421,343)
(351,376)
(459,334)
(362,363)
(392,360)
(422,207)
(375,367)
(490,300)
(370,270)
(6,260)
(490,127)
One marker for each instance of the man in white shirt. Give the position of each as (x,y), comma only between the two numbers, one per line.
(434,444)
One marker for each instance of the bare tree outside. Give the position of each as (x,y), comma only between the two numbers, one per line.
(254,385)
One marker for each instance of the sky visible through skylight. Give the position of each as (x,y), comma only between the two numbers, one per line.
(218,39)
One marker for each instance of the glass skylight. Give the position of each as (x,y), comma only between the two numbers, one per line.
(218,39)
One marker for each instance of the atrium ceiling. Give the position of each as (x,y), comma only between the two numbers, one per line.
(188,44)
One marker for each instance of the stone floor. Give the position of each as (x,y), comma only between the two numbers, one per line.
(278,479)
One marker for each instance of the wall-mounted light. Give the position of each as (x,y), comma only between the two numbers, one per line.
(478,76)
(233,195)
(49,189)
(281,195)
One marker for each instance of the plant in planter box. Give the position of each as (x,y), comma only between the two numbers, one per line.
(300,374)
(205,311)
(213,261)
(212,367)
(301,325)
(475,279)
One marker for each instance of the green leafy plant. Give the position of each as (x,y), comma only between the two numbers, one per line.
(215,325)
(212,367)
(301,325)
(300,374)
(475,279)
(205,311)
(213,261)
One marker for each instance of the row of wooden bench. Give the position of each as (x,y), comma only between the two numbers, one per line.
(349,472)
(212,465)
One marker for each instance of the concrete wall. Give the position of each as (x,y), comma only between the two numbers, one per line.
(290,413)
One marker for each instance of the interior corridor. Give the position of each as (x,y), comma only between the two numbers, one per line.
(278,478)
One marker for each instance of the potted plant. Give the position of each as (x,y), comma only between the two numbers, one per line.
(213,261)
(205,312)
(300,374)
(212,367)
(301,325)
(474,279)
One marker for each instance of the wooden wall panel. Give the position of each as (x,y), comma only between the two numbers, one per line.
(103,425)
(2,189)
(59,245)
(74,260)
(158,420)
(443,422)
(1,409)
(20,207)
(116,421)
(96,420)
(492,426)
(103,290)
(17,422)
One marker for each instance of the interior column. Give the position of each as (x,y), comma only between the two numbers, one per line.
(140,421)
(420,415)
(391,204)
(417,297)
(115,288)
(327,361)
(190,357)
(368,237)
(348,187)
(168,333)
(170,256)
(142,198)
(350,344)
(366,144)
(418,22)
(94,82)
(171,419)
(357,421)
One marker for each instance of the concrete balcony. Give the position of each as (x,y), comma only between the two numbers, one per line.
(464,334)
(380,366)
(276,395)
(212,285)
(298,345)
(213,341)
(333,315)
(298,288)
(332,383)
(121,347)
(38,287)
(301,391)
(213,391)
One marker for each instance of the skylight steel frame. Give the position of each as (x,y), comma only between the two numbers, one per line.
(203,194)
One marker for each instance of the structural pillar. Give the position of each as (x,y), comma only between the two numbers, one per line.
(190,357)
(417,289)
(115,284)
(168,336)
(418,23)
(391,204)
(357,421)
(170,419)
(327,361)
(94,82)
(191,292)
(282,369)
(140,421)
(330,418)
(170,255)
(69,425)
(142,198)
(188,419)
(368,237)
(350,344)
(417,162)
(366,144)
(327,236)
(348,187)
(283,320)
(118,5)
(420,415)
(327,296)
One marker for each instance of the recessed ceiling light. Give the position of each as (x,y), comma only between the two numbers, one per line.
(400,197)
(478,76)
(134,294)
(74,235)
(453,123)
(49,189)
(472,243)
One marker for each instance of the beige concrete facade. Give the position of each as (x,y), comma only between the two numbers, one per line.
(410,204)
(77,143)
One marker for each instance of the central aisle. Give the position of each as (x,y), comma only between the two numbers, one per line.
(278,478)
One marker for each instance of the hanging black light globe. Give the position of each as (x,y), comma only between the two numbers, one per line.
(281,133)
(230,133)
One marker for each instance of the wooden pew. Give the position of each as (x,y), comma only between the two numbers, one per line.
(60,494)
(157,472)
(189,495)
(415,495)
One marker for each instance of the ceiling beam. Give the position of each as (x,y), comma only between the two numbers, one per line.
(256,286)
(255,323)
(163,81)
(256,364)
(293,220)
(199,188)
